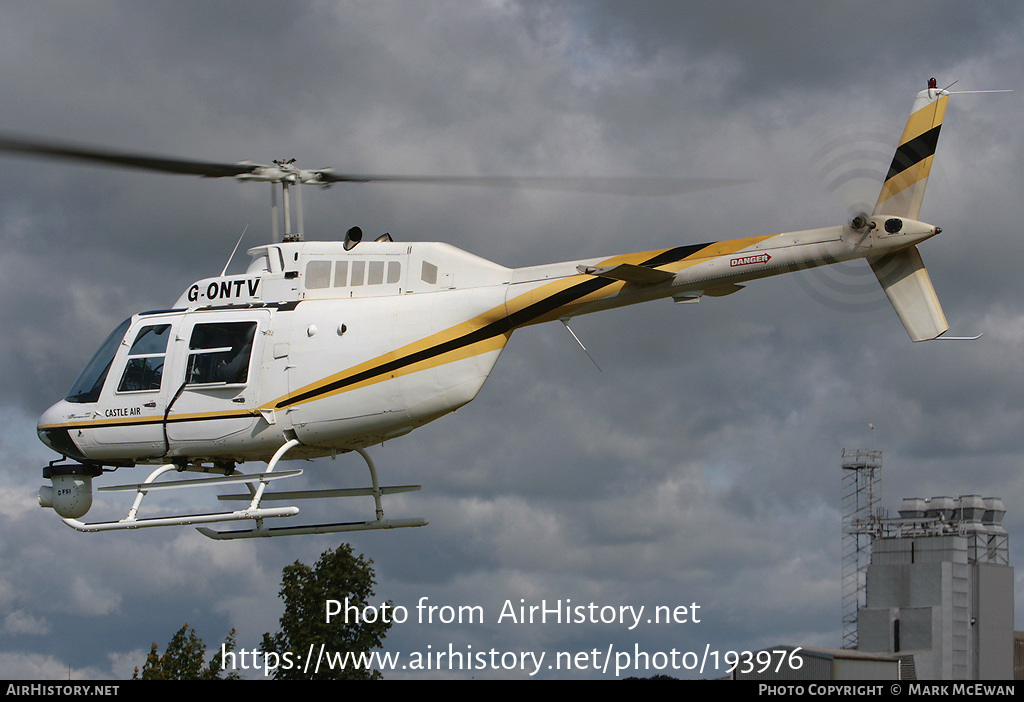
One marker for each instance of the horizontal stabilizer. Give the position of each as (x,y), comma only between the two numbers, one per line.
(641,275)
(909,288)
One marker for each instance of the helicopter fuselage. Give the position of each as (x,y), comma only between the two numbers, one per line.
(344,348)
(321,348)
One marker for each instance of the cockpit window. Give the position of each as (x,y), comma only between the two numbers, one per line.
(219,353)
(150,340)
(145,365)
(89,384)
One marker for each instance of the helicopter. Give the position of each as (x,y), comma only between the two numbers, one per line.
(324,347)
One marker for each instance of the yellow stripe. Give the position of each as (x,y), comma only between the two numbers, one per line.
(520,302)
(901,181)
(152,419)
(924,119)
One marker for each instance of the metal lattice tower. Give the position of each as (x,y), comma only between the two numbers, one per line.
(861,494)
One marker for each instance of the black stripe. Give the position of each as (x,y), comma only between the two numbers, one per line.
(672,255)
(501,326)
(914,151)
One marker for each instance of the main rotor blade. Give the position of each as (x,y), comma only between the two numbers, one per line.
(579,184)
(326,176)
(115,158)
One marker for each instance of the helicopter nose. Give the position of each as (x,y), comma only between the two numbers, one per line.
(55,435)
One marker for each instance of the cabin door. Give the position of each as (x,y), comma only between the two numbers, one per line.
(217,364)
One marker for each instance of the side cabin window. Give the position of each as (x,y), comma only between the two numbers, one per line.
(361,273)
(375,274)
(358,273)
(219,353)
(145,365)
(428,273)
(341,274)
(318,275)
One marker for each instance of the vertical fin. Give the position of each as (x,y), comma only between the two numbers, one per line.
(905,183)
(902,274)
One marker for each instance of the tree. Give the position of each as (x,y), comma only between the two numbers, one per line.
(343,578)
(184,659)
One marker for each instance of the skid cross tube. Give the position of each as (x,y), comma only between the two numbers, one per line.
(131,521)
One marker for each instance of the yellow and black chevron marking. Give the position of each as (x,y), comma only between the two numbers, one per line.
(491,330)
(487,332)
(913,159)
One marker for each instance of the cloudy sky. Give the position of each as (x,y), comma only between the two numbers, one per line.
(700,465)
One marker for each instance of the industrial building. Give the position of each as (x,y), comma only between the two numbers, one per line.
(938,587)
(926,595)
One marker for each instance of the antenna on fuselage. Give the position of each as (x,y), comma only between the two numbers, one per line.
(223,272)
(565,321)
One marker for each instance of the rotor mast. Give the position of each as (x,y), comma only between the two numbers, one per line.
(289,176)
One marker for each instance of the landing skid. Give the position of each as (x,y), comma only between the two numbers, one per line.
(267,532)
(256,484)
(262,531)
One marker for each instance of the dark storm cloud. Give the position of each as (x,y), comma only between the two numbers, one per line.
(805,46)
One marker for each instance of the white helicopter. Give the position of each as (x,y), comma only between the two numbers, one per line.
(321,348)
